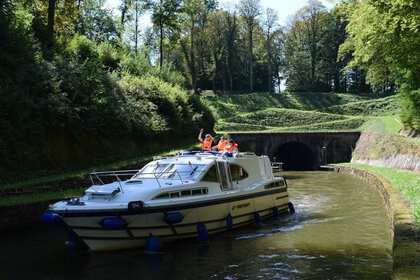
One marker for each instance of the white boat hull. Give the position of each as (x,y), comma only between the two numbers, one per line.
(88,229)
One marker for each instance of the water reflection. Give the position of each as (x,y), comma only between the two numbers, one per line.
(339,231)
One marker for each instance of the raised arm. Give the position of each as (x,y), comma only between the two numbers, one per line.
(200,135)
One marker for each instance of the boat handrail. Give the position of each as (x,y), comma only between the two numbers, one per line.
(277,166)
(118,174)
(106,177)
(198,153)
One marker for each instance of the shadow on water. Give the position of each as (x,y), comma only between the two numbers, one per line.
(339,231)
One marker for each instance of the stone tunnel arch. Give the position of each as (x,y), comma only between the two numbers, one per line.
(295,156)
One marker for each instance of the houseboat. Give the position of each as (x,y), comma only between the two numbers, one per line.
(190,194)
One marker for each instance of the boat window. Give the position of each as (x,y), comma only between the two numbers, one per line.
(184,172)
(162,196)
(211,175)
(198,191)
(275,185)
(179,171)
(182,193)
(151,170)
(225,178)
(186,192)
(168,173)
(238,173)
(174,194)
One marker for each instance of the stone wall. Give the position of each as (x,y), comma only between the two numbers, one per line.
(387,151)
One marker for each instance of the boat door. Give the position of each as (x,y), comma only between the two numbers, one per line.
(224,176)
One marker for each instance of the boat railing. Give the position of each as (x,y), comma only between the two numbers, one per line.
(106,177)
(277,166)
(182,176)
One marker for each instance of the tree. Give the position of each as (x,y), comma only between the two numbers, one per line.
(335,36)
(231,38)
(124,7)
(310,16)
(51,21)
(96,22)
(384,39)
(250,10)
(311,50)
(269,24)
(136,14)
(195,13)
(216,44)
(165,15)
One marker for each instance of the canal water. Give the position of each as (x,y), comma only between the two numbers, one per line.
(339,231)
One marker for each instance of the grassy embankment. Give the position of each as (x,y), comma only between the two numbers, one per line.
(302,112)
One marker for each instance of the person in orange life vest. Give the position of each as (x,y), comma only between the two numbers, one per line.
(206,142)
(221,145)
(230,147)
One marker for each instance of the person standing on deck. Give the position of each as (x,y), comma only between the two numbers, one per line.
(207,142)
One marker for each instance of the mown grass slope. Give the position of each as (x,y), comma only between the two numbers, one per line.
(303,112)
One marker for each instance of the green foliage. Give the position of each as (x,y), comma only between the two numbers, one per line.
(164,107)
(410,100)
(384,39)
(234,126)
(285,117)
(109,56)
(95,22)
(135,65)
(169,74)
(86,105)
(350,124)
(383,125)
(376,107)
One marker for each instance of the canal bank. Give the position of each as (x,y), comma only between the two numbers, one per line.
(406,243)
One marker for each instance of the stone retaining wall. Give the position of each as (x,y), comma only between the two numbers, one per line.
(387,151)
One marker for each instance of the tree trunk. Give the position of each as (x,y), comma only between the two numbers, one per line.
(251,61)
(51,20)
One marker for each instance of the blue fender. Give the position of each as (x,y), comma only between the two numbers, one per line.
(276,212)
(113,223)
(202,232)
(257,219)
(229,222)
(153,244)
(173,218)
(50,218)
(291,208)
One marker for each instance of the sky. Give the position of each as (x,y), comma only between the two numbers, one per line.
(284,8)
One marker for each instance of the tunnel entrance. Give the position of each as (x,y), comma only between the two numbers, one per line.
(295,156)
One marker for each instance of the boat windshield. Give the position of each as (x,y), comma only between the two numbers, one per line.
(176,171)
